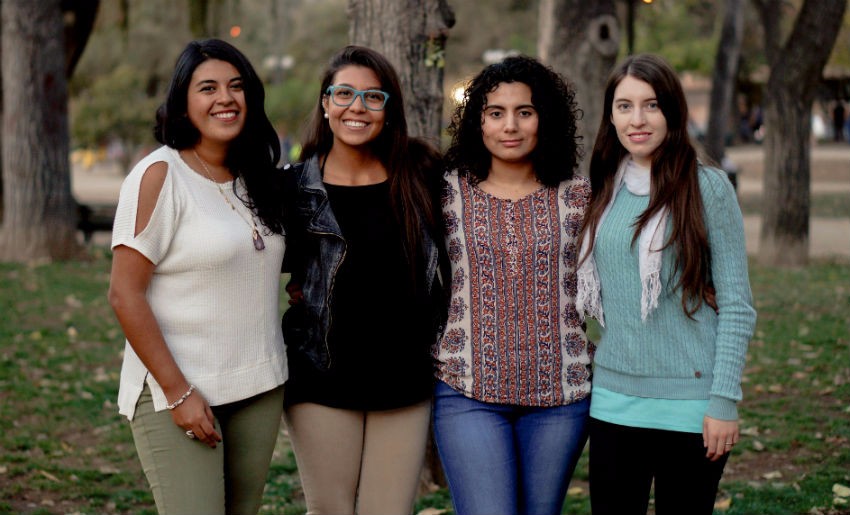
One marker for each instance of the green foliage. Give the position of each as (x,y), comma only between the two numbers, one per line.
(115,106)
(694,26)
(290,103)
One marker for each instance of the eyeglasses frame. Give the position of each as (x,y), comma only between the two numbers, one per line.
(357,93)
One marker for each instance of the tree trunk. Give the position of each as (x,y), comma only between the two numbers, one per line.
(412,35)
(40,214)
(795,72)
(580,40)
(198,10)
(723,81)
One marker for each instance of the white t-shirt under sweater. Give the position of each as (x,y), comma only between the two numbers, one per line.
(215,297)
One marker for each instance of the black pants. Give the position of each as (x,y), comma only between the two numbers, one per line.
(624,461)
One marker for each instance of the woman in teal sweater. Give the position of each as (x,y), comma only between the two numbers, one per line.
(664,271)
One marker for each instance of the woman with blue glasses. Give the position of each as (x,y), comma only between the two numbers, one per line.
(362,252)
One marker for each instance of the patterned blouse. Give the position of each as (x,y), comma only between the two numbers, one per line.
(513,335)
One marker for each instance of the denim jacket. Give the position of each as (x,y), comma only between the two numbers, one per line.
(315,249)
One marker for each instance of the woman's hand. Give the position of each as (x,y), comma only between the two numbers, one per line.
(195,415)
(296,295)
(719,436)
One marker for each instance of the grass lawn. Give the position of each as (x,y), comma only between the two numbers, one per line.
(64,448)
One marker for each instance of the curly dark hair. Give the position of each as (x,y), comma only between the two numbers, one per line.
(254,154)
(558,150)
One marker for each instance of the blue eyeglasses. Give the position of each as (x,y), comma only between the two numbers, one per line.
(344,96)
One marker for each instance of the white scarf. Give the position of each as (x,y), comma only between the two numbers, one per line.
(650,242)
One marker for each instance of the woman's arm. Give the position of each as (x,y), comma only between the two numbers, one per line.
(735,312)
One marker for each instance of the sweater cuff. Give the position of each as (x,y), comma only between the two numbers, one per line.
(722,408)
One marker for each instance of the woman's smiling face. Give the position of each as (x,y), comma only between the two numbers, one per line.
(636,115)
(354,125)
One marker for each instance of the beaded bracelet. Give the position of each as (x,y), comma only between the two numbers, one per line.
(182,399)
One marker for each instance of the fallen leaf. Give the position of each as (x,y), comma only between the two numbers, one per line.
(775,474)
(432,511)
(723,504)
(48,475)
(839,500)
(841,490)
(576,490)
(775,388)
(758,446)
(3,469)
(750,431)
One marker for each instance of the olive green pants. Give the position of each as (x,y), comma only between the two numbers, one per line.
(187,477)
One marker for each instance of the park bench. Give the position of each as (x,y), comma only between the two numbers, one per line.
(95,217)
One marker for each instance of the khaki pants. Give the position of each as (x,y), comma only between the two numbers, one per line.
(187,477)
(364,462)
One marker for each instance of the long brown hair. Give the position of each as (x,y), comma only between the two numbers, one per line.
(674,185)
(411,163)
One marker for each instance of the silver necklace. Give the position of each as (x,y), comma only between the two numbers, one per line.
(259,244)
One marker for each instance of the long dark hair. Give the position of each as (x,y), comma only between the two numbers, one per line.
(675,184)
(411,163)
(558,149)
(254,153)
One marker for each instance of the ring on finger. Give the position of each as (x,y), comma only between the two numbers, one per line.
(191,434)
(730,444)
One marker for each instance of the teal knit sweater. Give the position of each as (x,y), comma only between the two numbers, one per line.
(670,356)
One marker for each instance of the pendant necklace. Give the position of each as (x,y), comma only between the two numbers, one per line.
(259,244)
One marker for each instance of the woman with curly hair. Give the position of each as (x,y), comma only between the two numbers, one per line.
(513,365)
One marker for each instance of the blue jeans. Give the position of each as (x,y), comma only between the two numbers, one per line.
(507,459)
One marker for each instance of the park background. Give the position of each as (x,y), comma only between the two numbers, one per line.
(63,447)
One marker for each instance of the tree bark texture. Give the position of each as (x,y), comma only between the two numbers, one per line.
(412,35)
(794,75)
(580,40)
(40,213)
(723,80)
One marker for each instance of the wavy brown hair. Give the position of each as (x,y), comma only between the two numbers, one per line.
(674,185)
(413,165)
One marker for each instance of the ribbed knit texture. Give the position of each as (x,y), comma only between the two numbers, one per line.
(670,356)
(215,297)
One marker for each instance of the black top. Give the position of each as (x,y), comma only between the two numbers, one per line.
(380,335)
